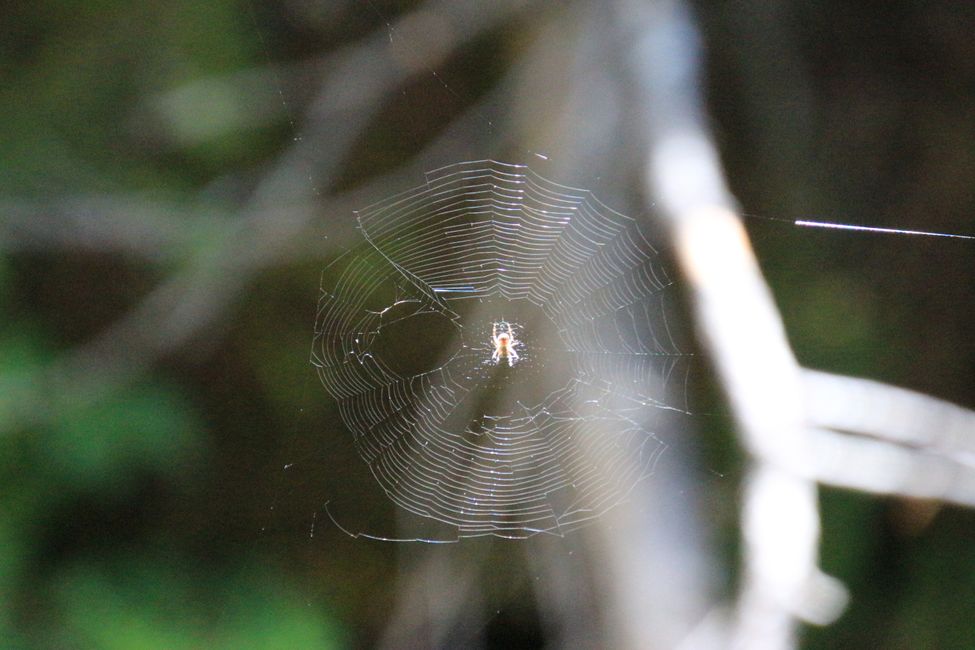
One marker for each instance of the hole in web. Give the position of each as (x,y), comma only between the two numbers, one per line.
(454,427)
(412,338)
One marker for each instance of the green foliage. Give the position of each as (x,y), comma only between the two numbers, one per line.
(99,445)
(80,106)
(102,451)
(148,603)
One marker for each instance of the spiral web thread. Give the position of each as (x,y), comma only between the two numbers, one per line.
(498,236)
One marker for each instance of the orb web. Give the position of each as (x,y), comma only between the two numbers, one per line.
(403,342)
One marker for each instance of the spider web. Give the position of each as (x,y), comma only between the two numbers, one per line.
(403,343)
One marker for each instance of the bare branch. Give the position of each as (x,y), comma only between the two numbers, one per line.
(896,415)
(877,438)
(874,466)
(132,225)
(741,328)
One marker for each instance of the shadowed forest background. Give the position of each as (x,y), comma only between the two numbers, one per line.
(168,200)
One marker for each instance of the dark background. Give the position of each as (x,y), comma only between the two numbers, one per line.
(158,294)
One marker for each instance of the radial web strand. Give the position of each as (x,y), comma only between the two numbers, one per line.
(405,343)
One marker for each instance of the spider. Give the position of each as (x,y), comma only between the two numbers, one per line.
(504,343)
